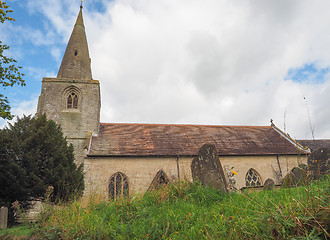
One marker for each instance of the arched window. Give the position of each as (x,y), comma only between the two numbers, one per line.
(159,180)
(252,178)
(72,100)
(118,186)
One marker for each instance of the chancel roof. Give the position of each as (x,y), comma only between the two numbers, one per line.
(315,144)
(115,139)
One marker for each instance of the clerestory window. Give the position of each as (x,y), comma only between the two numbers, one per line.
(72,100)
(252,178)
(118,186)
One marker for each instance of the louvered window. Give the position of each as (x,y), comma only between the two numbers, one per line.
(72,100)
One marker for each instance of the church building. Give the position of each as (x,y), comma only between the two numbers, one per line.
(123,159)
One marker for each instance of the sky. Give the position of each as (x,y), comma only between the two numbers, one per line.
(210,62)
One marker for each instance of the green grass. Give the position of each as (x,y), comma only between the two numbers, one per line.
(186,210)
(17,232)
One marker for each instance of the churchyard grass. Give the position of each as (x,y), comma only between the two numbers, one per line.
(186,210)
(16,232)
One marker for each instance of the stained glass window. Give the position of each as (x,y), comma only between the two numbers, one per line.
(160,180)
(118,186)
(252,178)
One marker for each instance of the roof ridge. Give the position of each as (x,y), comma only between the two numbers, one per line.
(183,124)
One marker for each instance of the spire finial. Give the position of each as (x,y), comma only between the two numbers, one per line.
(81,4)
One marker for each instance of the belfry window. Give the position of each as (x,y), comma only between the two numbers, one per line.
(72,100)
(252,178)
(118,186)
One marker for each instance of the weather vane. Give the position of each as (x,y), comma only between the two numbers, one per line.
(81,3)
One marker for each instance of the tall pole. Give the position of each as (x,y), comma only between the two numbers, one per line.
(309,119)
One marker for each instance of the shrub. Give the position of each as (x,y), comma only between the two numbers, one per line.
(34,155)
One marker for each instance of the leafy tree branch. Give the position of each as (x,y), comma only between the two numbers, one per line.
(10,74)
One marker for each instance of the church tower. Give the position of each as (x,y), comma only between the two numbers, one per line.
(72,99)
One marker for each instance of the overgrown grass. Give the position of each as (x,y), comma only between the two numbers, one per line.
(17,232)
(186,210)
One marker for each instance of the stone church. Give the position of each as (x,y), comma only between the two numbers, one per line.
(121,159)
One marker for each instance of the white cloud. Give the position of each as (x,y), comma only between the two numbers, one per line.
(28,107)
(205,61)
(210,62)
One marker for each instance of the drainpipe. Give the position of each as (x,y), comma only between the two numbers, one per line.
(178,166)
(279,165)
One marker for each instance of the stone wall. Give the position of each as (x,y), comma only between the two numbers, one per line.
(265,166)
(75,123)
(142,170)
(32,214)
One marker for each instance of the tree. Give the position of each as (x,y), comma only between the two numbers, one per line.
(10,74)
(34,155)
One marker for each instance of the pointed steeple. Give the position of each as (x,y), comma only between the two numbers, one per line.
(76,63)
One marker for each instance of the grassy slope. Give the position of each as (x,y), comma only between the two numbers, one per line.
(17,232)
(191,211)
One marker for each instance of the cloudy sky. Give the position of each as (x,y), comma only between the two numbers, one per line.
(219,62)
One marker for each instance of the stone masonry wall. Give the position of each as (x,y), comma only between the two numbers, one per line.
(75,123)
(141,171)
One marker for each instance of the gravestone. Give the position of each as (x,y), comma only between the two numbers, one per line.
(207,168)
(269,184)
(297,177)
(319,161)
(3,217)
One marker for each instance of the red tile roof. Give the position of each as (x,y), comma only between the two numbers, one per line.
(115,139)
(315,144)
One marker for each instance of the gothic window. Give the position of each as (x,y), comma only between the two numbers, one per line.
(252,178)
(72,100)
(159,180)
(118,186)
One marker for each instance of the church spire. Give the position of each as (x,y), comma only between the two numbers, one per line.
(76,63)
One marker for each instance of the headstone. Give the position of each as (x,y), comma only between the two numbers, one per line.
(207,168)
(297,177)
(3,217)
(269,184)
(318,162)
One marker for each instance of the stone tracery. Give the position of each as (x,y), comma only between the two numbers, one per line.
(118,186)
(252,178)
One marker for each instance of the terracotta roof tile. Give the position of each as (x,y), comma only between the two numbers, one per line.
(115,139)
(315,144)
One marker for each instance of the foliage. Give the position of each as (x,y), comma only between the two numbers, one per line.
(186,210)
(17,232)
(318,162)
(34,155)
(10,74)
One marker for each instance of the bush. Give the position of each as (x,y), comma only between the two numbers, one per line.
(34,156)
